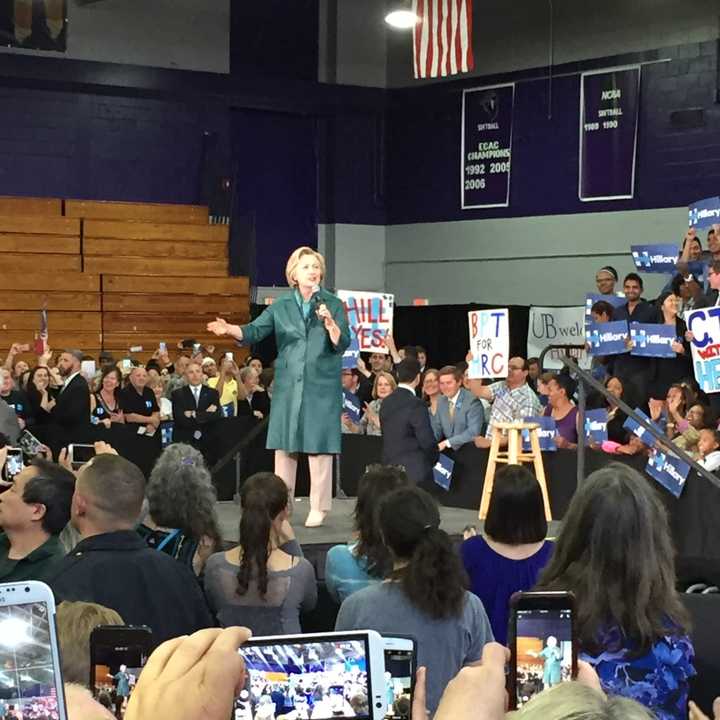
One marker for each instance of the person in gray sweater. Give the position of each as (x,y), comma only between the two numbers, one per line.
(425,595)
(248,586)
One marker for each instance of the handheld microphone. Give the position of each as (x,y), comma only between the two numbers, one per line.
(315,297)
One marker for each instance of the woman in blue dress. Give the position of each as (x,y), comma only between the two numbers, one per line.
(615,553)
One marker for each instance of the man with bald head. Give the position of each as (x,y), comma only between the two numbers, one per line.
(72,407)
(112,565)
(138,402)
(512,398)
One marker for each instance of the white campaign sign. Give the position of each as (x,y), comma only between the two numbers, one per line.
(370,316)
(557,326)
(489,343)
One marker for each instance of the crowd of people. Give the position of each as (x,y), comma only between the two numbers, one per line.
(111,543)
(399,574)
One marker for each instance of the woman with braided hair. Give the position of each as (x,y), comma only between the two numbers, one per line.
(264,583)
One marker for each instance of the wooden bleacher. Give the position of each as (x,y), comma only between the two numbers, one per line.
(73,301)
(131,306)
(114,275)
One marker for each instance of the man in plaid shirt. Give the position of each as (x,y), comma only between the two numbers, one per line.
(512,399)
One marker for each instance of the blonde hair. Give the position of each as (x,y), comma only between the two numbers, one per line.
(75,623)
(294,261)
(388,377)
(574,701)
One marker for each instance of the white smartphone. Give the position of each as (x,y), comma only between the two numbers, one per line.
(229,356)
(80,454)
(400,668)
(29,653)
(331,676)
(14,462)
(163,347)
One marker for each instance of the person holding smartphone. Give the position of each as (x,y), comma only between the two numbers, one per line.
(311,331)
(34,510)
(615,553)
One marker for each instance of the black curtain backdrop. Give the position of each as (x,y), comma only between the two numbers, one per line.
(441,329)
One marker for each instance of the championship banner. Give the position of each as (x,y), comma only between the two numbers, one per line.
(557,326)
(591,298)
(607,338)
(34,24)
(705,346)
(489,343)
(443,470)
(669,470)
(487,125)
(546,433)
(370,316)
(596,426)
(703,214)
(652,340)
(609,102)
(655,258)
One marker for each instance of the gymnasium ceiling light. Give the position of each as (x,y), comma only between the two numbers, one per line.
(402,16)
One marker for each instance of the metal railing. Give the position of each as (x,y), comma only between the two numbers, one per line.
(235,453)
(586,378)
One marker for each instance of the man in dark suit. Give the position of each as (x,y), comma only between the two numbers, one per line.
(408,438)
(71,414)
(196,410)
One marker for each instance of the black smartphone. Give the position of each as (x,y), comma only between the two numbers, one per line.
(118,654)
(400,669)
(543,646)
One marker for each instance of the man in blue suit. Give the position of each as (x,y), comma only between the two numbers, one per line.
(460,415)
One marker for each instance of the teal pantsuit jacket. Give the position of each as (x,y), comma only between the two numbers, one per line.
(307,392)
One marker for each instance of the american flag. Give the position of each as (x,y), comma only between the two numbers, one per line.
(442,39)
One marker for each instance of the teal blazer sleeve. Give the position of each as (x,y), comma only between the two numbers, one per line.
(262,326)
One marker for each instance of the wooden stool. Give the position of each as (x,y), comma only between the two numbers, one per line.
(514,456)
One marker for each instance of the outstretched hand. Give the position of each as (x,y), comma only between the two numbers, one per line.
(219,327)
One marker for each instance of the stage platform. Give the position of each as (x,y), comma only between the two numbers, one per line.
(338,525)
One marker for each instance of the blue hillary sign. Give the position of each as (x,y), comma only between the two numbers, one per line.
(443,470)
(607,338)
(670,471)
(351,355)
(228,410)
(652,340)
(546,433)
(591,298)
(352,406)
(655,258)
(636,429)
(596,426)
(703,214)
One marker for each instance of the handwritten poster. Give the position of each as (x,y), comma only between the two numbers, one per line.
(370,316)
(705,346)
(489,343)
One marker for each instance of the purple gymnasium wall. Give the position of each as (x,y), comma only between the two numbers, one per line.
(338,159)
(675,164)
